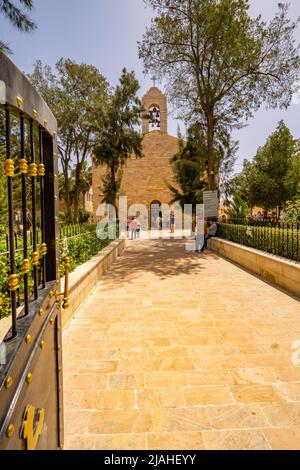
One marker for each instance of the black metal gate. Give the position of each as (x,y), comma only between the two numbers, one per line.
(31,400)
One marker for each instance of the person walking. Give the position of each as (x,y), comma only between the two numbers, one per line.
(133,226)
(172,222)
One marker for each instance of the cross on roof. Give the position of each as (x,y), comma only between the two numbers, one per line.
(154,78)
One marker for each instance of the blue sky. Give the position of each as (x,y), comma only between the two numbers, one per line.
(105,33)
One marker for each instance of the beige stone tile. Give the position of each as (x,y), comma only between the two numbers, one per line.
(206,350)
(121,442)
(108,400)
(288,391)
(283,438)
(254,348)
(133,353)
(251,439)
(175,441)
(254,394)
(287,374)
(163,364)
(181,419)
(191,340)
(95,365)
(160,398)
(126,381)
(120,421)
(79,442)
(91,354)
(92,381)
(72,399)
(236,416)
(76,421)
(209,377)
(207,395)
(282,414)
(163,352)
(196,331)
(150,342)
(207,362)
(183,324)
(252,376)
(166,379)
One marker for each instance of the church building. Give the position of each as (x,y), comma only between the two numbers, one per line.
(145,180)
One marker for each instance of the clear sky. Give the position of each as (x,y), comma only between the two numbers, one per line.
(105,33)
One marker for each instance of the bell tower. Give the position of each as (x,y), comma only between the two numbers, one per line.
(155,105)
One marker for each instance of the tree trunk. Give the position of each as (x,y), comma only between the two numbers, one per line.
(77,192)
(67,196)
(210,150)
(83,199)
(114,185)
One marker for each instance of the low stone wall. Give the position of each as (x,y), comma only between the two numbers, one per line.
(86,276)
(276,270)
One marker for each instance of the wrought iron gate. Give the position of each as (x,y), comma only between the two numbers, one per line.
(31,400)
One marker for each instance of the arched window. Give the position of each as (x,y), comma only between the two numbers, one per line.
(154,117)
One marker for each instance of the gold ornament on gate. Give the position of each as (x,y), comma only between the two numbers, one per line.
(42,170)
(13,282)
(32,426)
(9,168)
(19,101)
(33,170)
(43,249)
(23,165)
(35,258)
(26,266)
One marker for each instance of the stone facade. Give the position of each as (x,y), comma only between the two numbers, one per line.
(145,180)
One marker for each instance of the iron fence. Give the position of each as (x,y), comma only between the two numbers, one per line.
(277,238)
(34,243)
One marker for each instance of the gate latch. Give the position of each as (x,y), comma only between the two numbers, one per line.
(65,293)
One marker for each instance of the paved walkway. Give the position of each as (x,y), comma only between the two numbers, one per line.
(178,350)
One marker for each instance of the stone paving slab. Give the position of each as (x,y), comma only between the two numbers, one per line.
(179,350)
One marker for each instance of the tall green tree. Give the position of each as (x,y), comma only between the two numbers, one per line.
(118,138)
(220,64)
(189,170)
(17,17)
(273,177)
(190,163)
(78,96)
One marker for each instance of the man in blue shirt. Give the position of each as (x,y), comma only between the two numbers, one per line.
(211,232)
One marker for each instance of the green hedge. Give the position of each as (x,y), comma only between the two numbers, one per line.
(281,241)
(83,247)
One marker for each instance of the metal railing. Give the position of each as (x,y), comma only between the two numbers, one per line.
(277,238)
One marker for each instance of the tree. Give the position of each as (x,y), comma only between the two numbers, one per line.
(236,203)
(272,178)
(292,213)
(86,181)
(78,96)
(189,170)
(220,64)
(190,163)
(117,138)
(17,17)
